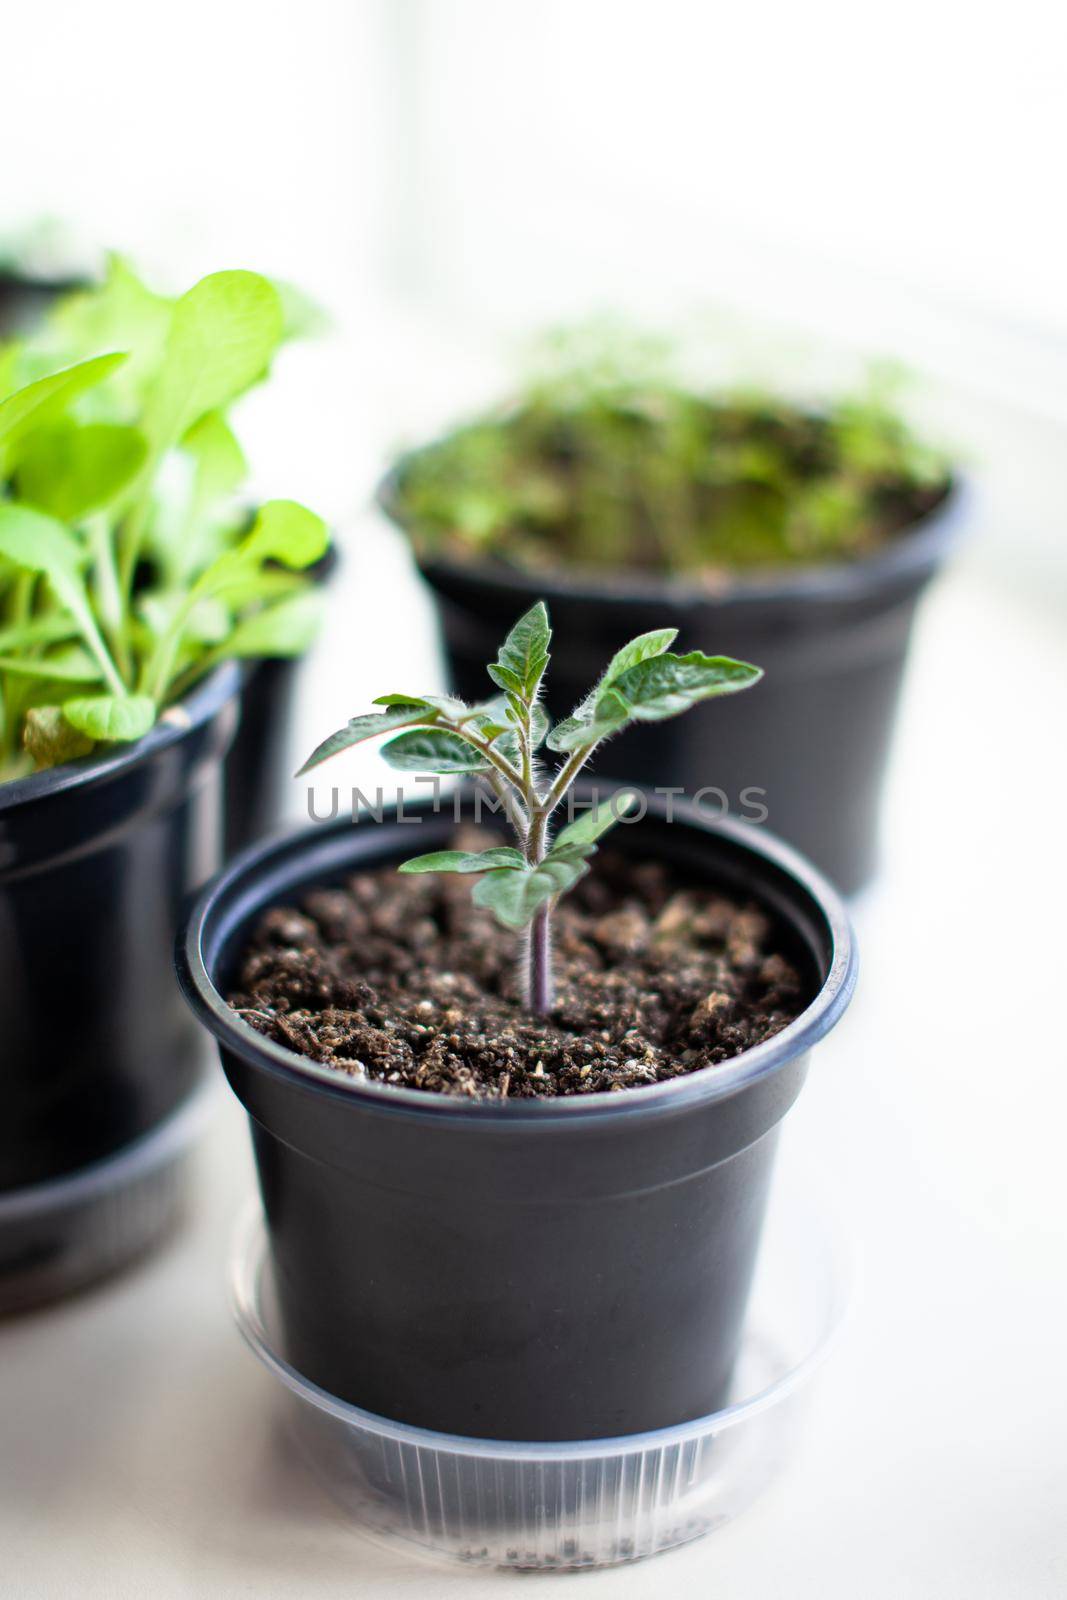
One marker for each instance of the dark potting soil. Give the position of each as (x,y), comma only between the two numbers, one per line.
(403,980)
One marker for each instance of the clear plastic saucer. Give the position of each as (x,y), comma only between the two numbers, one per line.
(65,1234)
(575,1504)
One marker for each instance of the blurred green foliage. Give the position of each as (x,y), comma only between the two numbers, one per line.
(608,460)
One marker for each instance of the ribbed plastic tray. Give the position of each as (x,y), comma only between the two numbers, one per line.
(575,1504)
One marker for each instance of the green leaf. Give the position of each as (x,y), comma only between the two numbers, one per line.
(464,861)
(116,718)
(667,685)
(433,750)
(42,630)
(540,726)
(502,735)
(75,666)
(287,532)
(121,313)
(220,462)
(487,714)
(257,585)
(582,834)
(568,734)
(455,710)
(284,629)
(46,399)
(222,335)
(49,738)
(643,648)
(514,897)
(367,727)
(523,656)
(505,679)
(575,733)
(208,622)
(283,532)
(70,468)
(220,340)
(37,543)
(659,687)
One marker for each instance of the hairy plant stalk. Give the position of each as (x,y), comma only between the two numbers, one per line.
(538,954)
(511,806)
(565,777)
(539,964)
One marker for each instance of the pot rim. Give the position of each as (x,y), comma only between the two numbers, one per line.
(914,552)
(266,859)
(203,701)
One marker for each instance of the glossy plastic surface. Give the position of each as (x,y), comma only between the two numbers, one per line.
(97,859)
(59,1237)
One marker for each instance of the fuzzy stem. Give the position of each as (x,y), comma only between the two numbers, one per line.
(493,756)
(539,945)
(514,812)
(564,778)
(540,963)
(539,985)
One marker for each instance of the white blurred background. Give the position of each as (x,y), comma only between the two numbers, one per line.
(808,187)
(811,185)
(815,184)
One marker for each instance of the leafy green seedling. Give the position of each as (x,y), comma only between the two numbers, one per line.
(611,458)
(499,740)
(127,566)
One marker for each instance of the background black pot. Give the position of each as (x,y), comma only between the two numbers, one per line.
(556,1269)
(258,769)
(100,1063)
(814,736)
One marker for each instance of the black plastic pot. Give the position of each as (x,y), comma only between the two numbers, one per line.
(100,1063)
(258,772)
(806,750)
(557,1269)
